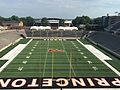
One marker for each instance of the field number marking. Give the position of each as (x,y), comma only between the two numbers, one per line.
(24,62)
(20,68)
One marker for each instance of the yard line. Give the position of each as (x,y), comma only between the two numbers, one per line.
(40,58)
(70,64)
(52,62)
(101,59)
(67,57)
(45,59)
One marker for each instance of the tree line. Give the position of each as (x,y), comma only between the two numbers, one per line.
(29,21)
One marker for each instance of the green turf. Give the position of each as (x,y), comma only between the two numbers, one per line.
(2,62)
(70,63)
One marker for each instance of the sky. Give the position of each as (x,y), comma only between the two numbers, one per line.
(58,8)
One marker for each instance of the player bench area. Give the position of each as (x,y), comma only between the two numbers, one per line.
(56,58)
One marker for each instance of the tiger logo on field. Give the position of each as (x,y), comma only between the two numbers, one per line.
(55,50)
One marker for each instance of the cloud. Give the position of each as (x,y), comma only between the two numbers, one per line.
(58,8)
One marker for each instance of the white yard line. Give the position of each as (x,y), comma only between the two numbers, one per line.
(68,58)
(12,54)
(52,64)
(100,58)
(45,59)
(40,58)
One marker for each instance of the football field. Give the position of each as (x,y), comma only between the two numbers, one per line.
(56,58)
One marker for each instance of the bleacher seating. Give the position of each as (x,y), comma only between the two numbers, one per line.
(114,27)
(107,40)
(50,33)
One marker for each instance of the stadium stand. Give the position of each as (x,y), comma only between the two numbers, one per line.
(115,28)
(107,40)
(50,33)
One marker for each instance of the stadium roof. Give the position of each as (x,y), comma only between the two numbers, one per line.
(48,28)
(40,27)
(67,28)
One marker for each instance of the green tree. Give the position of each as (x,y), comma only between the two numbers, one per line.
(97,21)
(14,18)
(85,20)
(81,20)
(2,19)
(29,21)
(44,21)
(76,21)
